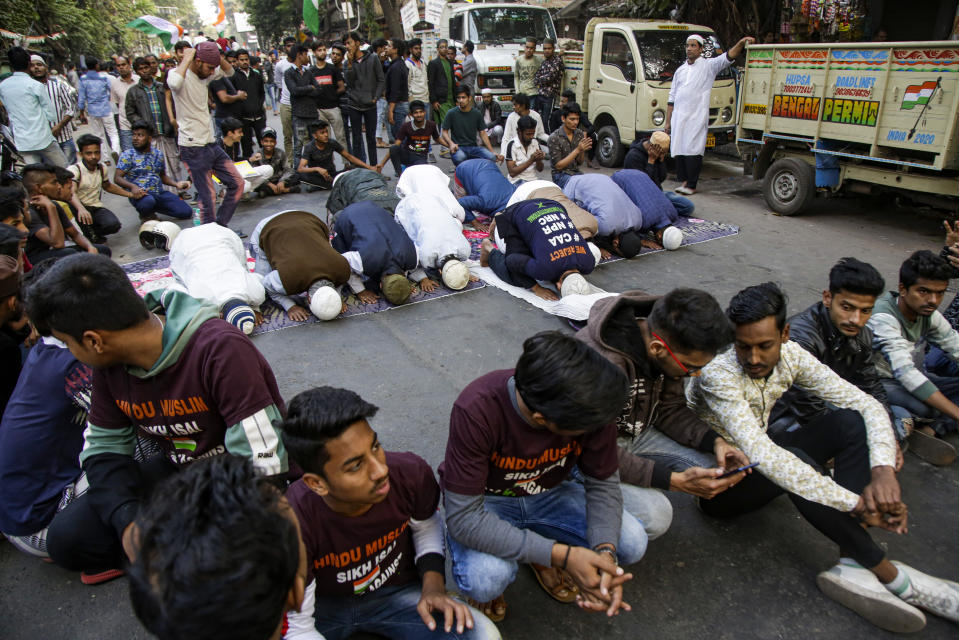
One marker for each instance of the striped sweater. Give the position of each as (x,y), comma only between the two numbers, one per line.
(902,344)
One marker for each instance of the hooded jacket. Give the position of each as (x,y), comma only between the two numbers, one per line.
(365,81)
(358,185)
(654,400)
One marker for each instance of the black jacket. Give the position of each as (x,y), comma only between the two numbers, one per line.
(638,158)
(495,113)
(436,80)
(252,107)
(365,81)
(138,107)
(303,92)
(397,82)
(852,358)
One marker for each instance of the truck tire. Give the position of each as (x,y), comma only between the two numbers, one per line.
(789,186)
(609,150)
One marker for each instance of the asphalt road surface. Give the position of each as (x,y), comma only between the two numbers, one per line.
(748,577)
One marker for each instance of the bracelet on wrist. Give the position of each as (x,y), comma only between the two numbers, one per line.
(566,558)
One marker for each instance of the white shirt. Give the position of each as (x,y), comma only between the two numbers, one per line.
(190,94)
(689,94)
(278,70)
(118,96)
(509,132)
(519,154)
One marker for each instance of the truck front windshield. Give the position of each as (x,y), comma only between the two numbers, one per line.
(509,25)
(663,52)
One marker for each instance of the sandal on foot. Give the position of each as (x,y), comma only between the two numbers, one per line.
(564,591)
(931,449)
(495,609)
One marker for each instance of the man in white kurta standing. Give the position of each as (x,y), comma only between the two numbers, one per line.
(687,113)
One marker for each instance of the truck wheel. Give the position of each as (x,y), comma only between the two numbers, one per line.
(609,150)
(789,186)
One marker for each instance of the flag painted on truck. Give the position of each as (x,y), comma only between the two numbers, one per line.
(918,94)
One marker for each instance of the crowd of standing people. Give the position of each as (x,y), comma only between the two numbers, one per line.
(148,436)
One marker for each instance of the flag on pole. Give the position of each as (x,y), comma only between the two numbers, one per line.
(168,32)
(311,15)
(221,16)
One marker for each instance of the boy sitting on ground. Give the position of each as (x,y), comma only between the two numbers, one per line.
(141,171)
(316,167)
(254,176)
(378,510)
(283,179)
(92,180)
(412,144)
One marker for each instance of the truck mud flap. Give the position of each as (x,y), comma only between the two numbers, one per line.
(764,159)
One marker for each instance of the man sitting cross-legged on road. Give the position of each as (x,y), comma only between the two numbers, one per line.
(166,368)
(538,242)
(659,342)
(904,323)
(530,475)
(834,331)
(373,534)
(141,171)
(735,393)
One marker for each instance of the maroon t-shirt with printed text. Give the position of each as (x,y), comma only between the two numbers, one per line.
(354,556)
(219,380)
(493,450)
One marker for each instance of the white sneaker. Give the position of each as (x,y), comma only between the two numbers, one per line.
(860,590)
(935,595)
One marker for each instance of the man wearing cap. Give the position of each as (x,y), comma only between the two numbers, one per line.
(294,257)
(190,83)
(380,253)
(30,112)
(538,242)
(438,237)
(687,111)
(63,98)
(620,221)
(649,156)
(209,263)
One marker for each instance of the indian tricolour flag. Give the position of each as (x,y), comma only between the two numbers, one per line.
(167,31)
(359,586)
(311,15)
(918,94)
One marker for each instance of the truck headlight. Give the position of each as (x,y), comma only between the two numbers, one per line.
(727,114)
(659,117)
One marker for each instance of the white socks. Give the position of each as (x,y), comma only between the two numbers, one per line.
(900,586)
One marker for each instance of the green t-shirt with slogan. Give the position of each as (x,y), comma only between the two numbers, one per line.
(464,125)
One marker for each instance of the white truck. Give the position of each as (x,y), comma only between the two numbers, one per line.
(623,75)
(499,31)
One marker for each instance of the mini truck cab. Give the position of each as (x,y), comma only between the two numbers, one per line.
(622,82)
(498,31)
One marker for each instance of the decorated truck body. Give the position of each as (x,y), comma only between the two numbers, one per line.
(861,118)
(499,31)
(622,80)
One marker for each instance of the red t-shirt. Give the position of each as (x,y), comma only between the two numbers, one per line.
(219,379)
(493,450)
(356,556)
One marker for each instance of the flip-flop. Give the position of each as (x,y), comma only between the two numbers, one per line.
(572,591)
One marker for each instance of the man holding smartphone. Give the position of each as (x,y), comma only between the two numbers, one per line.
(735,394)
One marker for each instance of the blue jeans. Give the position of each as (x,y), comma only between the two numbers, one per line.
(271,96)
(382,123)
(466,152)
(684,206)
(126,139)
(900,399)
(205,162)
(654,444)
(165,202)
(400,111)
(558,514)
(391,612)
(561,178)
(69,149)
